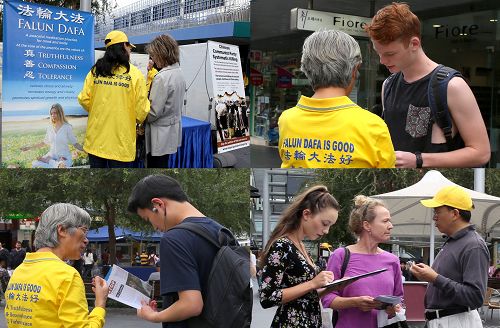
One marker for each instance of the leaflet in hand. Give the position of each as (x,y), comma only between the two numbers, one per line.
(387,300)
(126,288)
(343,282)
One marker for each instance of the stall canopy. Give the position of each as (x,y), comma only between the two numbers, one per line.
(411,219)
(101,235)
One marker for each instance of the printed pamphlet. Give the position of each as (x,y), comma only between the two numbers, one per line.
(126,288)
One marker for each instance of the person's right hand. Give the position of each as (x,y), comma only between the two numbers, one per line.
(323,278)
(367,303)
(100,289)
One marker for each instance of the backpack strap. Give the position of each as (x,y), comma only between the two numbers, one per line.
(347,255)
(225,236)
(437,94)
(386,86)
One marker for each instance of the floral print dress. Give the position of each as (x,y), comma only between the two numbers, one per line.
(286,267)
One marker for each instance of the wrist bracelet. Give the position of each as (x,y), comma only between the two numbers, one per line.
(420,162)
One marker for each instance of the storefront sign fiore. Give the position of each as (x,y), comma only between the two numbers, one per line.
(313,20)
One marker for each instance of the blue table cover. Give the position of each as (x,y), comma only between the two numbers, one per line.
(196,148)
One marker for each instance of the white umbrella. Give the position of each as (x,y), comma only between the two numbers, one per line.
(411,219)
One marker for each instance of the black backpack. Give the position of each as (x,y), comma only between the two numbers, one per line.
(228,298)
(347,255)
(437,95)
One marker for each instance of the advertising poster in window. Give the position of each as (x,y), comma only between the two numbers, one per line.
(47,53)
(231,108)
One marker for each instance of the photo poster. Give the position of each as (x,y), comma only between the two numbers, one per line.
(231,110)
(47,54)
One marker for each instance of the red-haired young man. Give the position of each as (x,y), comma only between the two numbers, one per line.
(418,140)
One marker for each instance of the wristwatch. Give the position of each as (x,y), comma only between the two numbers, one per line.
(420,162)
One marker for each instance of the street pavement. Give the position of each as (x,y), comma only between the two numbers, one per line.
(115,318)
(261,318)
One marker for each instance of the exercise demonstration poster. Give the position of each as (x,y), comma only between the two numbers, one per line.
(47,52)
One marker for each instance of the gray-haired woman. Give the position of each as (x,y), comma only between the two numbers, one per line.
(46,292)
(328,130)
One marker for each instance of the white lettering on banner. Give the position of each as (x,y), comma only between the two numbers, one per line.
(25,10)
(70,30)
(61,15)
(44,13)
(35,26)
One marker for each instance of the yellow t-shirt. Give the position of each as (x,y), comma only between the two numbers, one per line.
(114,104)
(333,133)
(46,292)
(149,78)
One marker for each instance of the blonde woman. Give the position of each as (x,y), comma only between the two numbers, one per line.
(370,222)
(59,136)
(290,278)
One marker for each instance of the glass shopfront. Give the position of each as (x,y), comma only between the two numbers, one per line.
(470,43)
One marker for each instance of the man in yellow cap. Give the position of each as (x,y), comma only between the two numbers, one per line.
(459,275)
(115,96)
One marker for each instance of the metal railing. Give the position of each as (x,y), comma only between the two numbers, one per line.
(147,16)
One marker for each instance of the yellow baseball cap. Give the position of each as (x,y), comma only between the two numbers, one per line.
(115,37)
(453,196)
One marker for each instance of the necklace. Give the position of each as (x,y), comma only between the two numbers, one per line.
(302,250)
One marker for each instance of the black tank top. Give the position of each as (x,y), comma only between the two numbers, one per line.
(409,116)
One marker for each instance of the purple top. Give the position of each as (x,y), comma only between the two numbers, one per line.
(385,283)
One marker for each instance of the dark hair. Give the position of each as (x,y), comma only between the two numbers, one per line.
(466,215)
(115,56)
(159,186)
(314,199)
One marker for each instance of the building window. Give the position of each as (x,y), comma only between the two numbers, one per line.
(140,17)
(167,10)
(191,6)
(121,22)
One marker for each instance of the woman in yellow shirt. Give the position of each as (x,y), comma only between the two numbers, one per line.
(46,292)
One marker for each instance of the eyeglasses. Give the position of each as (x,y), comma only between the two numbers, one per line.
(85,230)
(439,210)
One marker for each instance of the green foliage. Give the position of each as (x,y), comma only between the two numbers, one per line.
(220,194)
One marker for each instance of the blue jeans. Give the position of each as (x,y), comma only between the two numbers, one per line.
(99,162)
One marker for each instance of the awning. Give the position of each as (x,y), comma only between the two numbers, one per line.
(101,235)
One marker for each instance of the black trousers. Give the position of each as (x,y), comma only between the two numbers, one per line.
(157,161)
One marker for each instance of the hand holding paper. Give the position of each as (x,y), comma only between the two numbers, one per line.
(126,288)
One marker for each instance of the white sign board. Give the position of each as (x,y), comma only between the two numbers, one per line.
(231,114)
(215,91)
(313,20)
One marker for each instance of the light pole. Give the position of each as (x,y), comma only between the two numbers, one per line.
(85,5)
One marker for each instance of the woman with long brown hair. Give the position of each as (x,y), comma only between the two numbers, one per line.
(290,278)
